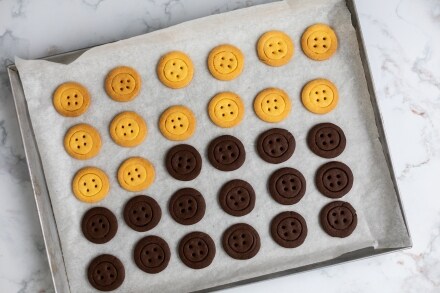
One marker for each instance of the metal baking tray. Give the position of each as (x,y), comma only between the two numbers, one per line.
(44,206)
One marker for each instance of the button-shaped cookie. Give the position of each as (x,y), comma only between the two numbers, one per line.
(90,184)
(177,123)
(225,62)
(187,206)
(276,145)
(338,219)
(183,162)
(106,272)
(275,48)
(152,254)
(226,153)
(287,186)
(82,141)
(71,99)
(226,109)
(142,213)
(128,129)
(288,229)
(136,174)
(319,42)
(99,225)
(175,70)
(237,197)
(272,105)
(241,241)
(334,179)
(327,140)
(320,96)
(197,250)
(123,84)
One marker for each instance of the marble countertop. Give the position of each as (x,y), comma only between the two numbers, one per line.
(403,44)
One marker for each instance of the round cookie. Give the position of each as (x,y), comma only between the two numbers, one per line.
(226,109)
(287,186)
(275,48)
(99,225)
(225,62)
(334,179)
(197,250)
(123,84)
(276,145)
(142,213)
(177,123)
(326,140)
(71,99)
(136,174)
(226,153)
(152,254)
(106,272)
(320,96)
(90,184)
(187,206)
(183,162)
(319,42)
(272,105)
(175,70)
(128,129)
(338,219)
(82,141)
(241,241)
(237,198)
(288,229)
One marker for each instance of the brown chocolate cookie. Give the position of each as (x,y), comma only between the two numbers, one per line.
(338,219)
(183,162)
(226,153)
(241,241)
(197,250)
(334,179)
(106,272)
(152,254)
(237,198)
(327,140)
(287,186)
(142,213)
(187,206)
(276,145)
(289,229)
(99,225)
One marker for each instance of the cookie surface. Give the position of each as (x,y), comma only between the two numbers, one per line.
(187,206)
(71,99)
(226,153)
(197,250)
(276,145)
(326,140)
(142,213)
(177,123)
(90,184)
(241,241)
(287,186)
(237,197)
(288,229)
(183,162)
(106,272)
(320,96)
(226,109)
(272,105)
(319,42)
(82,141)
(275,48)
(334,179)
(338,219)
(152,254)
(123,84)
(225,62)
(99,225)
(128,129)
(175,70)
(136,174)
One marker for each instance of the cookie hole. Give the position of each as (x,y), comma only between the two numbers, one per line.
(189,208)
(339,182)
(88,190)
(178,118)
(283,227)
(334,214)
(325,46)
(159,256)
(236,245)
(344,220)
(134,212)
(324,38)
(231,113)
(76,103)
(329,177)
(190,246)
(244,242)
(234,237)
(338,176)
(342,212)
(199,243)
(336,222)
(177,76)
(68,103)
(285,234)
(324,143)
(285,189)
(182,211)
(129,173)
(231,59)
(325,98)
(315,39)
(188,167)
(316,92)
(121,88)
(181,67)
(138,219)
(331,185)
(331,142)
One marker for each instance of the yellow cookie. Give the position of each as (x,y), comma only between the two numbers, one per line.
(71,99)
(128,129)
(123,84)
(136,174)
(90,184)
(177,123)
(226,109)
(319,42)
(175,70)
(320,96)
(272,105)
(82,141)
(275,48)
(225,62)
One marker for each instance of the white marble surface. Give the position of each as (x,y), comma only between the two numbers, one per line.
(403,43)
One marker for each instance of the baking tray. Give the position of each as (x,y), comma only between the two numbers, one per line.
(44,207)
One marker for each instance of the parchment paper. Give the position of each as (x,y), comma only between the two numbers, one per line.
(380,221)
